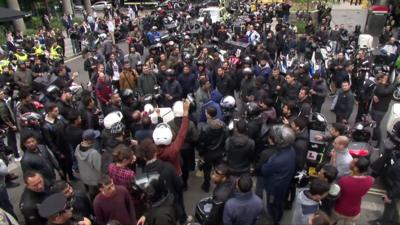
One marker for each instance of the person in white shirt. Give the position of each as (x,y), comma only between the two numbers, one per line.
(111,29)
(391,47)
(252,35)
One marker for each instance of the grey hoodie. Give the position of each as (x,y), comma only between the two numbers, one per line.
(303,208)
(89,164)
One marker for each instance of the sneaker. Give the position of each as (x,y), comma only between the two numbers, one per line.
(18,159)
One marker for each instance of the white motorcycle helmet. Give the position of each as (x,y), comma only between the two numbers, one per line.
(162,134)
(148,108)
(228,102)
(112,118)
(177,108)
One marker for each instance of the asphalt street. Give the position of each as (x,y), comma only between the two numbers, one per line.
(372,205)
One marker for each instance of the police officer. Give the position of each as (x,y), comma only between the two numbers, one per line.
(58,210)
(56,52)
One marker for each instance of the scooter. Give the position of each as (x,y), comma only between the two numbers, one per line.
(360,145)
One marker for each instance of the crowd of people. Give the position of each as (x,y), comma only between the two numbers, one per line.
(134,134)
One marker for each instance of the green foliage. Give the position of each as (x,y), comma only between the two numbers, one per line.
(56,23)
(35,22)
(3,37)
(301,26)
(31,31)
(77,20)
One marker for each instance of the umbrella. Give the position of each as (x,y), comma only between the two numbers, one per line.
(7,14)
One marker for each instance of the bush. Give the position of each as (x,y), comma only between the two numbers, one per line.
(301,26)
(36,22)
(31,31)
(77,20)
(56,23)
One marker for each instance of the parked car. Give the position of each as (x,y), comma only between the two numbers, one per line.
(78,8)
(101,5)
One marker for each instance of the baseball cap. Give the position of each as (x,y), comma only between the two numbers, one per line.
(90,134)
(52,205)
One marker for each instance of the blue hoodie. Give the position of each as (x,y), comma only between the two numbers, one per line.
(216,98)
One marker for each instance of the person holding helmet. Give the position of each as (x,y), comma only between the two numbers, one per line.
(187,152)
(171,88)
(247,87)
(159,200)
(279,170)
(129,105)
(31,123)
(167,174)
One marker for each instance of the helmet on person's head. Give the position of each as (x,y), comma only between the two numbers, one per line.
(252,109)
(201,63)
(187,58)
(170,72)
(228,102)
(112,118)
(186,38)
(117,128)
(162,134)
(282,135)
(247,60)
(248,72)
(127,94)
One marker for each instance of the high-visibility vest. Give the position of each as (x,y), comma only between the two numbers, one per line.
(3,64)
(54,52)
(39,51)
(23,57)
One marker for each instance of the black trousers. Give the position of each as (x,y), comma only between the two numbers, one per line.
(209,162)
(275,204)
(12,142)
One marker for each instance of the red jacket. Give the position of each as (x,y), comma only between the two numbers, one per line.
(103,92)
(171,152)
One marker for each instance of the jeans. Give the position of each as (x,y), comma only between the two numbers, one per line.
(5,201)
(347,220)
(75,46)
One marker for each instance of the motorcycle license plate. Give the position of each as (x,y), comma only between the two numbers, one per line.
(312,171)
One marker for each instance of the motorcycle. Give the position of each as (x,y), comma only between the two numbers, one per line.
(317,150)
(360,138)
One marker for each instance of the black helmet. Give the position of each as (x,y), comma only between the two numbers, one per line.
(247,60)
(127,93)
(170,73)
(187,58)
(151,185)
(53,90)
(200,63)
(248,72)
(253,109)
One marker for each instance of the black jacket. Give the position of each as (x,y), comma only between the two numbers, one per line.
(167,173)
(212,135)
(42,161)
(239,151)
(301,146)
(344,104)
(81,205)
(221,194)
(28,206)
(384,94)
(191,136)
(162,212)
(290,93)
